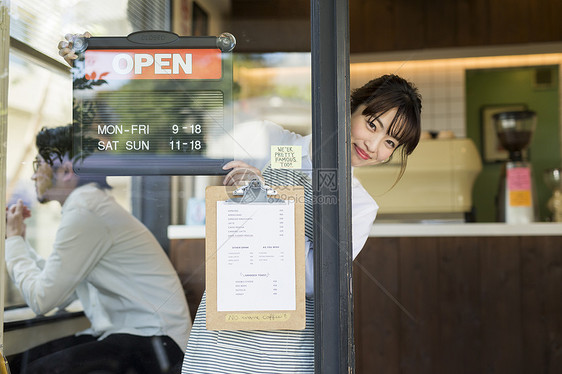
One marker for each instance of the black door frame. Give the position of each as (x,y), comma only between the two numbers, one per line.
(333,333)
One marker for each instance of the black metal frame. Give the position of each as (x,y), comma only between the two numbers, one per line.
(334,348)
(333,345)
(160,159)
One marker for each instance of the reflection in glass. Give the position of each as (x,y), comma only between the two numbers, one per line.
(38,97)
(267,86)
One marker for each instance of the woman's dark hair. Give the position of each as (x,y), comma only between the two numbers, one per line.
(56,143)
(393,92)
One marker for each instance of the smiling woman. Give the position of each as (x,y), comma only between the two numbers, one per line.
(386,116)
(371,141)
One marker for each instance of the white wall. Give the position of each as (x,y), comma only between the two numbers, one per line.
(442,82)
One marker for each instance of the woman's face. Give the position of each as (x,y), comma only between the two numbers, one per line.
(370,142)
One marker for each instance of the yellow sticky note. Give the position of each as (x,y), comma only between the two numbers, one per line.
(520,198)
(286,157)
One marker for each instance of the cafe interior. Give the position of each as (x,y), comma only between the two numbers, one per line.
(459,274)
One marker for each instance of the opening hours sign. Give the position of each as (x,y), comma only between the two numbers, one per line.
(151,103)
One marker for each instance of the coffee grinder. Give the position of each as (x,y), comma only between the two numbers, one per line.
(516,197)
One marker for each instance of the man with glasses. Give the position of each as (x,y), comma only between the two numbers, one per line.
(107,259)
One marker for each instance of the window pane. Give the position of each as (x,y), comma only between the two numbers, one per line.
(37,97)
(40,96)
(271,84)
(42,24)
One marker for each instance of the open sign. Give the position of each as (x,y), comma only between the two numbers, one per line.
(156,64)
(150,103)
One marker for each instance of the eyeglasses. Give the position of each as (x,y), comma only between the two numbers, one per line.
(39,161)
(36,164)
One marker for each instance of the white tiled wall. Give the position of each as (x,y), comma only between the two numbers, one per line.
(442,83)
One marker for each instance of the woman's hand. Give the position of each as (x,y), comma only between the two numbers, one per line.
(66,47)
(241,174)
(15,216)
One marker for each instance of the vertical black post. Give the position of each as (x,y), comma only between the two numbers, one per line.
(334,349)
(151,198)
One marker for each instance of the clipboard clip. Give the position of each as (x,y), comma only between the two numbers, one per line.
(253,192)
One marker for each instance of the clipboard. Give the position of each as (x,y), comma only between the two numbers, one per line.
(247,281)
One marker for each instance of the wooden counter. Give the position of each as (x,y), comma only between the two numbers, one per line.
(459,305)
(441,298)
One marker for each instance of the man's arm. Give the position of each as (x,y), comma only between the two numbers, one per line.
(16,214)
(81,241)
